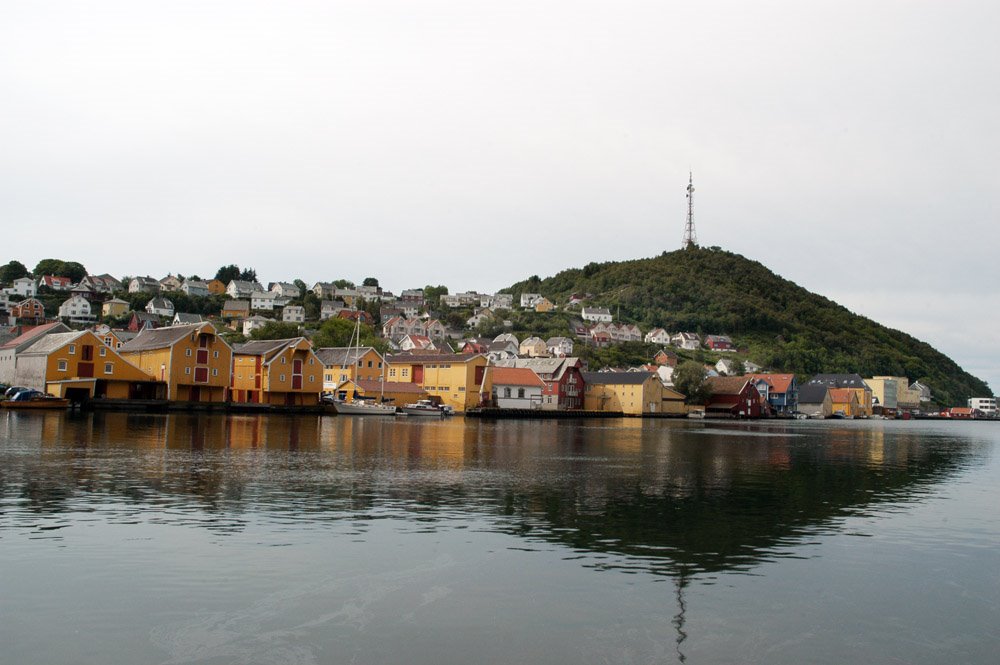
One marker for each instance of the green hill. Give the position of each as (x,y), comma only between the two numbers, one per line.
(783,326)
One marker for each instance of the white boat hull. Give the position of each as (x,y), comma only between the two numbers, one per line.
(353,409)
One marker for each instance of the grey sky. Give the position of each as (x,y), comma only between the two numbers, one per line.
(849,146)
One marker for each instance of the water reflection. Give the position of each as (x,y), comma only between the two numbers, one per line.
(675,499)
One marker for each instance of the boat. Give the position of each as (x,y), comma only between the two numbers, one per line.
(424,407)
(357,406)
(363,407)
(697,413)
(34,399)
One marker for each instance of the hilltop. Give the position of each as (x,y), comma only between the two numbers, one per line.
(782,325)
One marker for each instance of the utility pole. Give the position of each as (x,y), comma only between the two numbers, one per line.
(690,237)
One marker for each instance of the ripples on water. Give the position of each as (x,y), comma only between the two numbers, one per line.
(671,501)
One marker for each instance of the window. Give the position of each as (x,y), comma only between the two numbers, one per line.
(392,372)
(63,366)
(312,378)
(405,372)
(109,368)
(446,388)
(72,349)
(281,377)
(215,372)
(311,361)
(215,354)
(371,364)
(187,352)
(520,393)
(284,360)
(461,389)
(506,392)
(104,351)
(380,365)
(361,363)
(187,370)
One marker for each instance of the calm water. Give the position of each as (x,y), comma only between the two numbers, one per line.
(254,539)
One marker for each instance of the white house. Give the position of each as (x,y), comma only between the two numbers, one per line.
(239,288)
(263,300)
(529,299)
(516,388)
(160,307)
(658,336)
(533,347)
(689,341)
(293,314)
(24,287)
(560,347)
(77,310)
(287,290)
(480,316)
(195,287)
(144,285)
(596,314)
(330,308)
(253,323)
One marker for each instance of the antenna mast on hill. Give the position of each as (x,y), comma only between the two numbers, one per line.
(690,237)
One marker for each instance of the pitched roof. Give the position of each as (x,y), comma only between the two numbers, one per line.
(726,385)
(184,318)
(236,304)
(50,343)
(780,383)
(842,394)
(812,393)
(159,338)
(332,356)
(34,333)
(266,348)
(515,376)
(616,378)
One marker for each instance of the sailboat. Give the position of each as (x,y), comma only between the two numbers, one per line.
(357,406)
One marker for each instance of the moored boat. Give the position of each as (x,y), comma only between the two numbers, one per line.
(43,402)
(424,407)
(362,407)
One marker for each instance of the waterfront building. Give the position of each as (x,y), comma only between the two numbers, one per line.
(987,405)
(455,380)
(79,365)
(516,388)
(851,381)
(10,350)
(193,360)
(563,379)
(632,393)
(279,372)
(342,364)
(780,391)
(733,396)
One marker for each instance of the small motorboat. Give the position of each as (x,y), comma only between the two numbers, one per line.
(33,399)
(425,407)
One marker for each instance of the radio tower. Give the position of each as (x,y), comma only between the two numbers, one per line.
(690,237)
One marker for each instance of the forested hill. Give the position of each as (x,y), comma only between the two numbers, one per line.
(784,326)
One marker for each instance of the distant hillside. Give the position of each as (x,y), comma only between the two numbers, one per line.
(784,326)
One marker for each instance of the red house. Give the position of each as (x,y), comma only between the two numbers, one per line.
(718,343)
(562,377)
(28,311)
(732,397)
(665,358)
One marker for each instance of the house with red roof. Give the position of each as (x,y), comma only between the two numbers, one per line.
(516,388)
(780,391)
(56,283)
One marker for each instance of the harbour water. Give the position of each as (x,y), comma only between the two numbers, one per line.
(251,539)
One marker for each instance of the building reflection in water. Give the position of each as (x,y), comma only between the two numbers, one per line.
(676,499)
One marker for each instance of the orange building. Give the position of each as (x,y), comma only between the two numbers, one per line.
(452,379)
(279,372)
(193,361)
(80,365)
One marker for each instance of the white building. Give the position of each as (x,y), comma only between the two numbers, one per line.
(560,347)
(988,405)
(195,287)
(529,299)
(287,290)
(24,287)
(239,288)
(160,307)
(293,314)
(253,323)
(596,314)
(658,336)
(689,341)
(77,310)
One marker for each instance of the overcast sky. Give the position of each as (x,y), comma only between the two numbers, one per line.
(852,147)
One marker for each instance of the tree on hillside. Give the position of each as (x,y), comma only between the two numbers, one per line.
(302,286)
(338,332)
(11,271)
(70,269)
(343,283)
(275,330)
(370,281)
(248,275)
(432,294)
(226,274)
(689,379)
